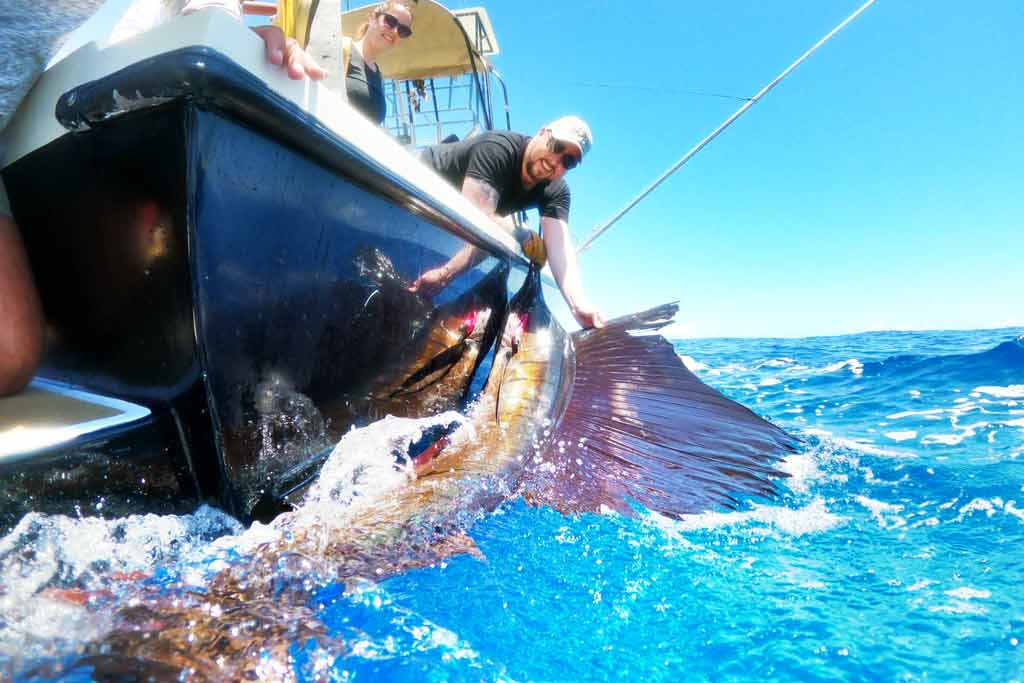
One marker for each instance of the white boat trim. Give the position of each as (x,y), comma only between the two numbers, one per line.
(22,439)
(35,124)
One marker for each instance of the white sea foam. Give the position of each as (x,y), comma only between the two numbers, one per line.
(855,366)
(775,363)
(691,364)
(905,435)
(54,551)
(963,406)
(1012,391)
(883,513)
(989,507)
(730,369)
(1011,509)
(962,601)
(770,382)
(915,413)
(802,469)
(944,439)
(964,431)
(812,518)
(861,446)
(76,547)
(968,593)
(355,474)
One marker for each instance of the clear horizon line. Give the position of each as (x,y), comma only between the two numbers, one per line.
(850,334)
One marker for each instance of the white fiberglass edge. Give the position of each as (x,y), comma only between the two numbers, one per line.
(23,437)
(35,125)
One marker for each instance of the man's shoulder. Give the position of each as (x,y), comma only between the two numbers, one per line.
(509,135)
(502,138)
(495,155)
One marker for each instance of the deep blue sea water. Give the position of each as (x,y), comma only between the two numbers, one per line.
(895,554)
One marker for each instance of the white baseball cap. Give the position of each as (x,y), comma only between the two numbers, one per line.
(574,131)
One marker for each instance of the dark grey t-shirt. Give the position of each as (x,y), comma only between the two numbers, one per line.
(496,158)
(364,88)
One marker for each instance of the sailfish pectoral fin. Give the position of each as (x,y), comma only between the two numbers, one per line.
(441,363)
(639,427)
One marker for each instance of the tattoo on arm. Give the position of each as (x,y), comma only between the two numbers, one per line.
(482,195)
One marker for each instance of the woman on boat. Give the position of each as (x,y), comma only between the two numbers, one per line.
(389,23)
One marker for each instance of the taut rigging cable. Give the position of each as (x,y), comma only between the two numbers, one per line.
(599,230)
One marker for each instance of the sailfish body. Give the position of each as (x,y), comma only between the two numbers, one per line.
(606,418)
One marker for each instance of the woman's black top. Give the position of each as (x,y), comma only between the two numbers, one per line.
(364,88)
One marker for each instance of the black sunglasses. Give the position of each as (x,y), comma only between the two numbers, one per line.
(569,161)
(395,25)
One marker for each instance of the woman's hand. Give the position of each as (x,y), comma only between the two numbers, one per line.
(285,52)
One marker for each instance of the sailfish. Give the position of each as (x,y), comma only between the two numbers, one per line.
(605,419)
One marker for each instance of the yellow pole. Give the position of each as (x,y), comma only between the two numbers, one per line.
(295,17)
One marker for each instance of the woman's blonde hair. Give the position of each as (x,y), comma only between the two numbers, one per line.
(382,8)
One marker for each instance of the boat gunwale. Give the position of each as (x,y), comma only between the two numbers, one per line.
(325,113)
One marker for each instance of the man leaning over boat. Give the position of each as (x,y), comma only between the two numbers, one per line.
(503,173)
(31,32)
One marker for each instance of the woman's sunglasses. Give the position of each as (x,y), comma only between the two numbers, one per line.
(569,161)
(395,25)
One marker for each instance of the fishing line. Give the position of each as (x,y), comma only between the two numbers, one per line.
(600,230)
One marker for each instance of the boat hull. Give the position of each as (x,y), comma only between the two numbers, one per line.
(211,252)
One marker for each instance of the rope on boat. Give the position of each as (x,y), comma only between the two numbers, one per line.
(599,230)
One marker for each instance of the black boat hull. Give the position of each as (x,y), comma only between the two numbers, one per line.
(211,252)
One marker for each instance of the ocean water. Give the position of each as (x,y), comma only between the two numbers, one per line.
(895,553)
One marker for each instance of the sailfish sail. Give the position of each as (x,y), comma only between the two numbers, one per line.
(639,426)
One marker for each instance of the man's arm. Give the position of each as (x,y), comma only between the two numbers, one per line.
(562,259)
(485,198)
(21,334)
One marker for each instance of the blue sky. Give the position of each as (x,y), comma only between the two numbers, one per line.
(877,187)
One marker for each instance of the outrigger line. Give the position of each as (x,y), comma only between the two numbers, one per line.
(599,230)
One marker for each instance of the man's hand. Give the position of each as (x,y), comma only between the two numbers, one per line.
(285,52)
(432,281)
(588,316)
